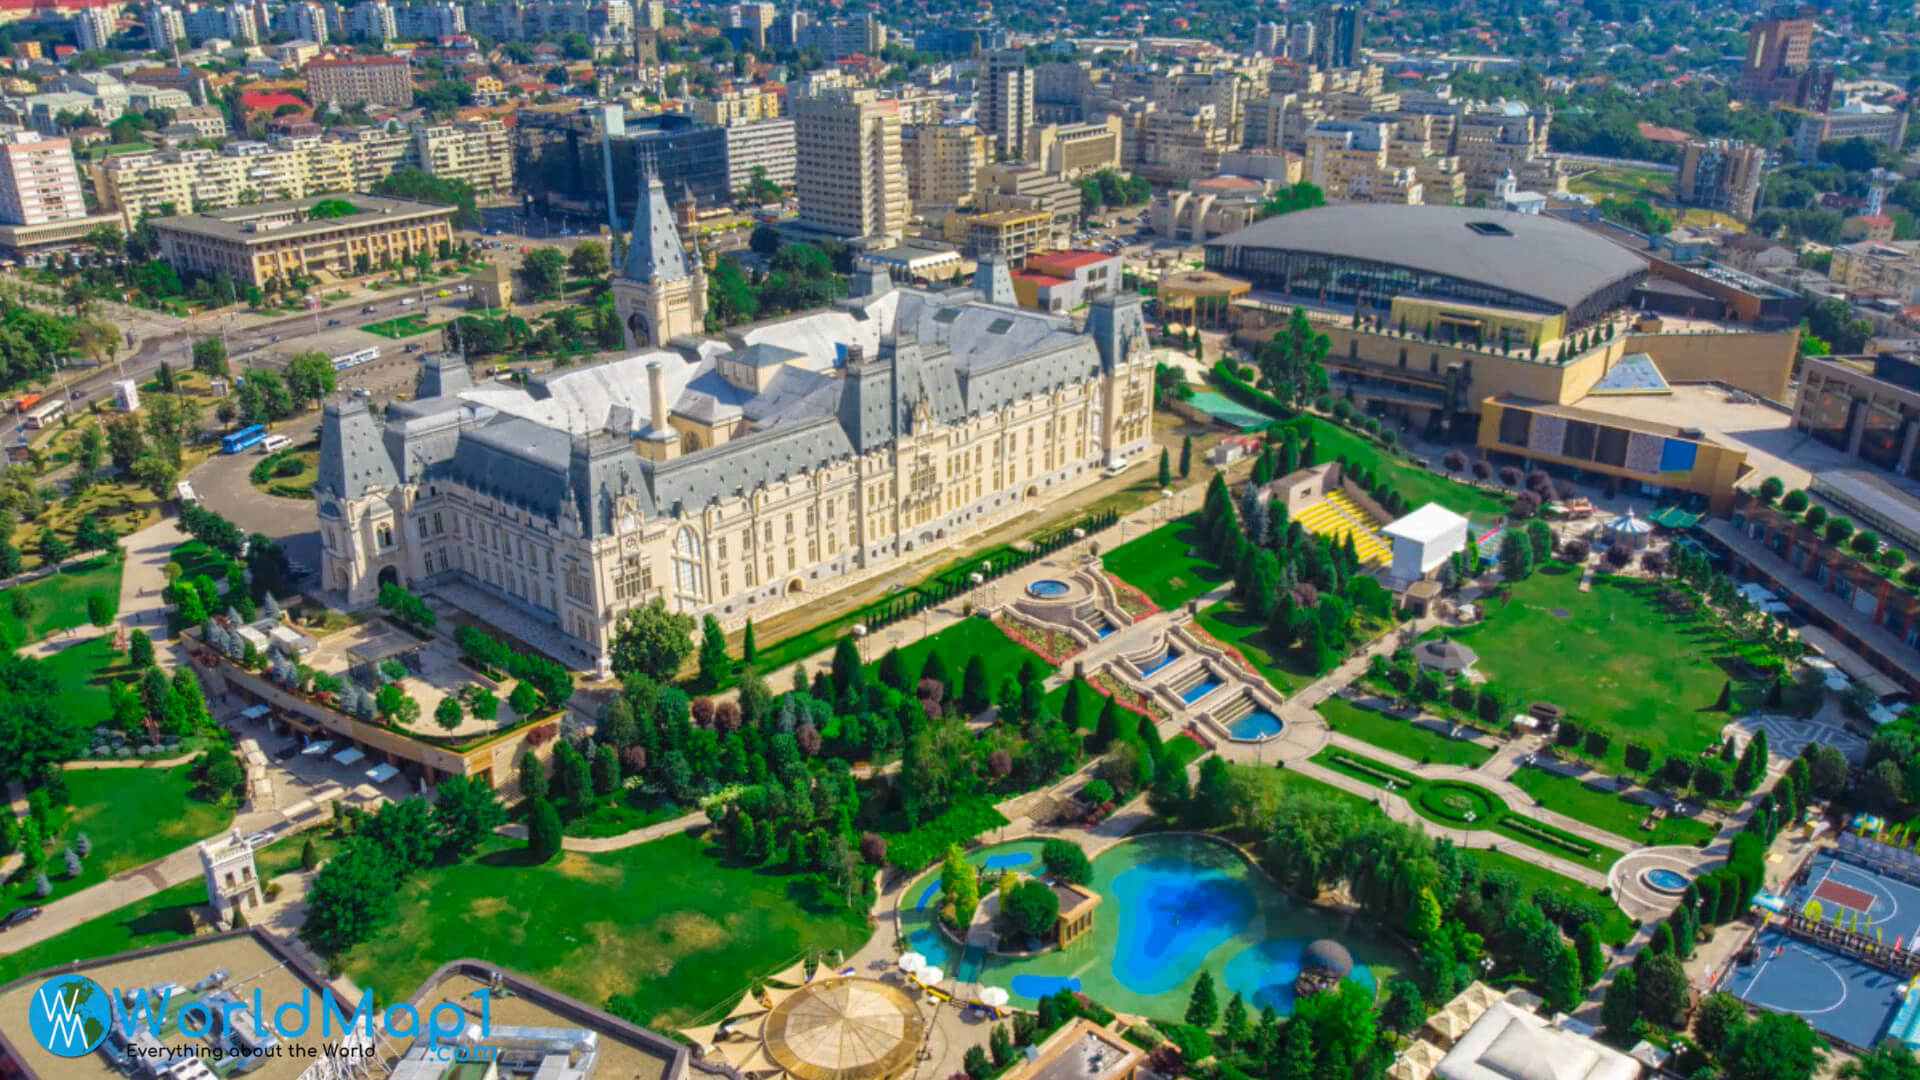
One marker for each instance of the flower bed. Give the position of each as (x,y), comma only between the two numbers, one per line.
(1054,646)
(1194,629)
(1127,696)
(1538,832)
(1132,601)
(1371,771)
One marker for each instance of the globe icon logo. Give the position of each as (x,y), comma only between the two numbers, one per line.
(69,1015)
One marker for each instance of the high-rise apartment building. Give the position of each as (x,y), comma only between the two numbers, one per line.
(479,153)
(836,38)
(367,80)
(38,181)
(92,27)
(760,144)
(1720,174)
(306,22)
(943,161)
(373,19)
(849,173)
(1006,100)
(165,26)
(429,22)
(1269,39)
(1340,32)
(757,20)
(1777,54)
(1300,41)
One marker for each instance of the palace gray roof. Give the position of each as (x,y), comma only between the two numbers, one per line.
(655,252)
(1529,254)
(564,441)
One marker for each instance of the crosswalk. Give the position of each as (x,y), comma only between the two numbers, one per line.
(1337,516)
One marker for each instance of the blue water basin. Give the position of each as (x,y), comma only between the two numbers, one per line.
(1257,724)
(1047,587)
(1207,685)
(1169,657)
(1665,880)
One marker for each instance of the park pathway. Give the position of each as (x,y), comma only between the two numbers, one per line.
(590,845)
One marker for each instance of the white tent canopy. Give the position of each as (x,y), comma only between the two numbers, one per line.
(382,773)
(318,748)
(350,756)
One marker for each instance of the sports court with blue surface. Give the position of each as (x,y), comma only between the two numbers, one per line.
(1839,995)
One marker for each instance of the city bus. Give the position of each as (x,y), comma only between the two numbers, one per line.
(246,438)
(46,412)
(356,358)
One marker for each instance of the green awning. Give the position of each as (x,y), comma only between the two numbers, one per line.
(1672,517)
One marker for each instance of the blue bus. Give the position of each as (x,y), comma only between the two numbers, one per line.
(243,439)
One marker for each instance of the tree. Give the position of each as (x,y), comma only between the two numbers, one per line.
(1291,365)
(1620,1010)
(309,855)
(960,885)
(1561,987)
(91,534)
(52,548)
(1890,1060)
(1029,909)
(1592,953)
(1827,770)
(1186,456)
(1516,555)
(974,1063)
(1067,861)
(465,814)
(715,664)
(447,713)
(1166,469)
(589,260)
(310,377)
(396,705)
(349,897)
(1203,1006)
(1773,1046)
(533,776)
(652,641)
(1715,1021)
(210,356)
(1212,801)
(749,652)
(974,695)
(139,650)
(1663,990)
(1000,1045)
(543,831)
(1834,322)
(100,609)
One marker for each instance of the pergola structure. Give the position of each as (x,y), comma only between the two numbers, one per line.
(364,659)
(833,1028)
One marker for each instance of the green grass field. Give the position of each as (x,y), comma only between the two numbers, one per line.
(1227,622)
(402,327)
(1162,564)
(1420,486)
(132,816)
(1606,809)
(1400,736)
(59,601)
(963,641)
(667,923)
(1625,182)
(163,917)
(196,558)
(1613,657)
(83,672)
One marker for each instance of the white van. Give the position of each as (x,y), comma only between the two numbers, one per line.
(408,302)
(274,442)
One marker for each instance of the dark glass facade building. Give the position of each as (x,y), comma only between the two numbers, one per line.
(560,163)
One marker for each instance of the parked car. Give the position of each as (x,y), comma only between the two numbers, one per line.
(24,914)
(368,310)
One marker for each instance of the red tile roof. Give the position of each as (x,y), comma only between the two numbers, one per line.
(1072,259)
(268,99)
(1045,281)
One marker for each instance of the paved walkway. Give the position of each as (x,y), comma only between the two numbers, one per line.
(597,844)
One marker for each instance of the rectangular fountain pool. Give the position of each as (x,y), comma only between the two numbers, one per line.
(1169,657)
(1208,684)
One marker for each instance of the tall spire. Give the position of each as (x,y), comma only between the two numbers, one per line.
(654,253)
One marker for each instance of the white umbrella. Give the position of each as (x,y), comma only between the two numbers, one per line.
(993,996)
(911,962)
(931,976)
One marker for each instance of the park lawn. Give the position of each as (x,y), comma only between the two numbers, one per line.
(1419,486)
(1090,701)
(1618,929)
(132,816)
(667,924)
(1616,660)
(161,918)
(283,855)
(970,637)
(196,558)
(1231,625)
(405,326)
(1165,565)
(1625,182)
(60,600)
(83,672)
(1606,809)
(1407,739)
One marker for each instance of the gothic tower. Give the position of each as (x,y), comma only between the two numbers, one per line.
(654,292)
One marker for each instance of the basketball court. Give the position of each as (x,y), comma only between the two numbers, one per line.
(1846,998)
(1853,891)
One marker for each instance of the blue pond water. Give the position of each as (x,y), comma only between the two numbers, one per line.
(1039,986)
(1257,724)
(1172,914)
(1172,654)
(1048,587)
(1208,684)
(927,894)
(1666,880)
(1000,860)
(1264,973)
(1104,628)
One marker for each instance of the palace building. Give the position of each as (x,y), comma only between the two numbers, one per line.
(729,476)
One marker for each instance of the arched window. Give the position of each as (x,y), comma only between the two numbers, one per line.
(689,568)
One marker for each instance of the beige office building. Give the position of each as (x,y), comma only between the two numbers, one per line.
(760,144)
(370,80)
(943,164)
(254,243)
(849,173)
(1071,151)
(738,107)
(1022,188)
(479,153)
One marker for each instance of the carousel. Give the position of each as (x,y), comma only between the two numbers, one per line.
(1628,531)
(834,1027)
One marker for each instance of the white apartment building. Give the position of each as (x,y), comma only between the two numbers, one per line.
(428,22)
(374,20)
(848,172)
(92,27)
(479,153)
(38,181)
(1006,100)
(306,22)
(760,144)
(165,26)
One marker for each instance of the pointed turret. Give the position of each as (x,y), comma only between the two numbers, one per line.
(654,252)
